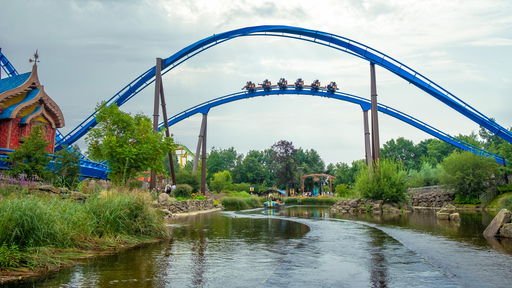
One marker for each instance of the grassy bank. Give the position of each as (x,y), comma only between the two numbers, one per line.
(241,203)
(45,232)
(502,201)
(311,200)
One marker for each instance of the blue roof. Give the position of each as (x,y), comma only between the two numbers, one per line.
(13,82)
(7,111)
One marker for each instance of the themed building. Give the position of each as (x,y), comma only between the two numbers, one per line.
(23,105)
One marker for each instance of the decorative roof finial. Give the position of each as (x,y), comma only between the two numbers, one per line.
(36,58)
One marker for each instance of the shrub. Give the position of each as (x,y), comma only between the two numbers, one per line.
(32,221)
(342,190)
(182,190)
(221,181)
(66,168)
(238,194)
(426,176)
(10,256)
(187,177)
(31,157)
(311,200)
(116,213)
(242,187)
(468,174)
(235,203)
(506,202)
(385,182)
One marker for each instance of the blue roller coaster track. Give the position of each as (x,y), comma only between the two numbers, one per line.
(365,104)
(6,66)
(337,42)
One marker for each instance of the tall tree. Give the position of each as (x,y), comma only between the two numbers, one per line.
(222,159)
(402,150)
(285,163)
(127,142)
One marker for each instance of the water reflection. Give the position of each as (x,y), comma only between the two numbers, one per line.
(378,263)
(263,248)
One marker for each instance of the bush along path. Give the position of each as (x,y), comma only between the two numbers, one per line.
(44,233)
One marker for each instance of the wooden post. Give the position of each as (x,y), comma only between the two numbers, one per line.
(166,124)
(367,149)
(375,119)
(203,157)
(199,144)
(158,83)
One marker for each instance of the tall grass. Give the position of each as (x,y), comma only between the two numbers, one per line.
(311,201)
(241,203)
(36,222)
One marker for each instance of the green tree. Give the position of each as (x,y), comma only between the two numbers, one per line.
(221,159)
(402,150)
(437,150)
(221,181)
(387,182)
(285,163)
(66,172)
(185,176)
(250,169)
(468,174)
(31,158)
(128,143)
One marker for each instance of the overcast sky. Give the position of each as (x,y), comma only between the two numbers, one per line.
(90,49)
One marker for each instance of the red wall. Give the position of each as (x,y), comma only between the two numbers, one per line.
(18,132)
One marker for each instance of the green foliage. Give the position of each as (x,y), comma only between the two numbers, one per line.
(506,202)
(118,213)
(235,203)
(238,194)
(221,160)
(468,174)
(242,187)
(426,176)
(10,256)
(311,200)
(187,177)
(37,222)
(33,221)
(342,190)
(386,182)
(221,181)
(127,142)
(252,169)
(66,170)
(182,190)
(31,157)
(401,150)
(285,164)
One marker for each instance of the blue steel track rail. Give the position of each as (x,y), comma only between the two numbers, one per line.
(7,66)
(317,37)
(365,104)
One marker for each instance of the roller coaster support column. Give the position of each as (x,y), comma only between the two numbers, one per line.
(367,149)
(167,132)
(158,83)
(375,120)
(199,143)
(203,156)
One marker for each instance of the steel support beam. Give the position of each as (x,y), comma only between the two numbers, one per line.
(367,145)
(199,144)
(375,119)
(166,124)
(203,156)
(156,104)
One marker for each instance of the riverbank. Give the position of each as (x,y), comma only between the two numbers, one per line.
(44,233)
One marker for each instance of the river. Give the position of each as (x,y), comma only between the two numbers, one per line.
(304,247)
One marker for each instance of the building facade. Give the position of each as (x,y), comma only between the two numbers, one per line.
(23,105)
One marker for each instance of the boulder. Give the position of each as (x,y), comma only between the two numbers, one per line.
(443,216)
(77,196)
(48,188)
(506,230)
(163,198)
(455,217)
(501,218)
(448,208)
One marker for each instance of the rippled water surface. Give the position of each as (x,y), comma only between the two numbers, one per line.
(304,247)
